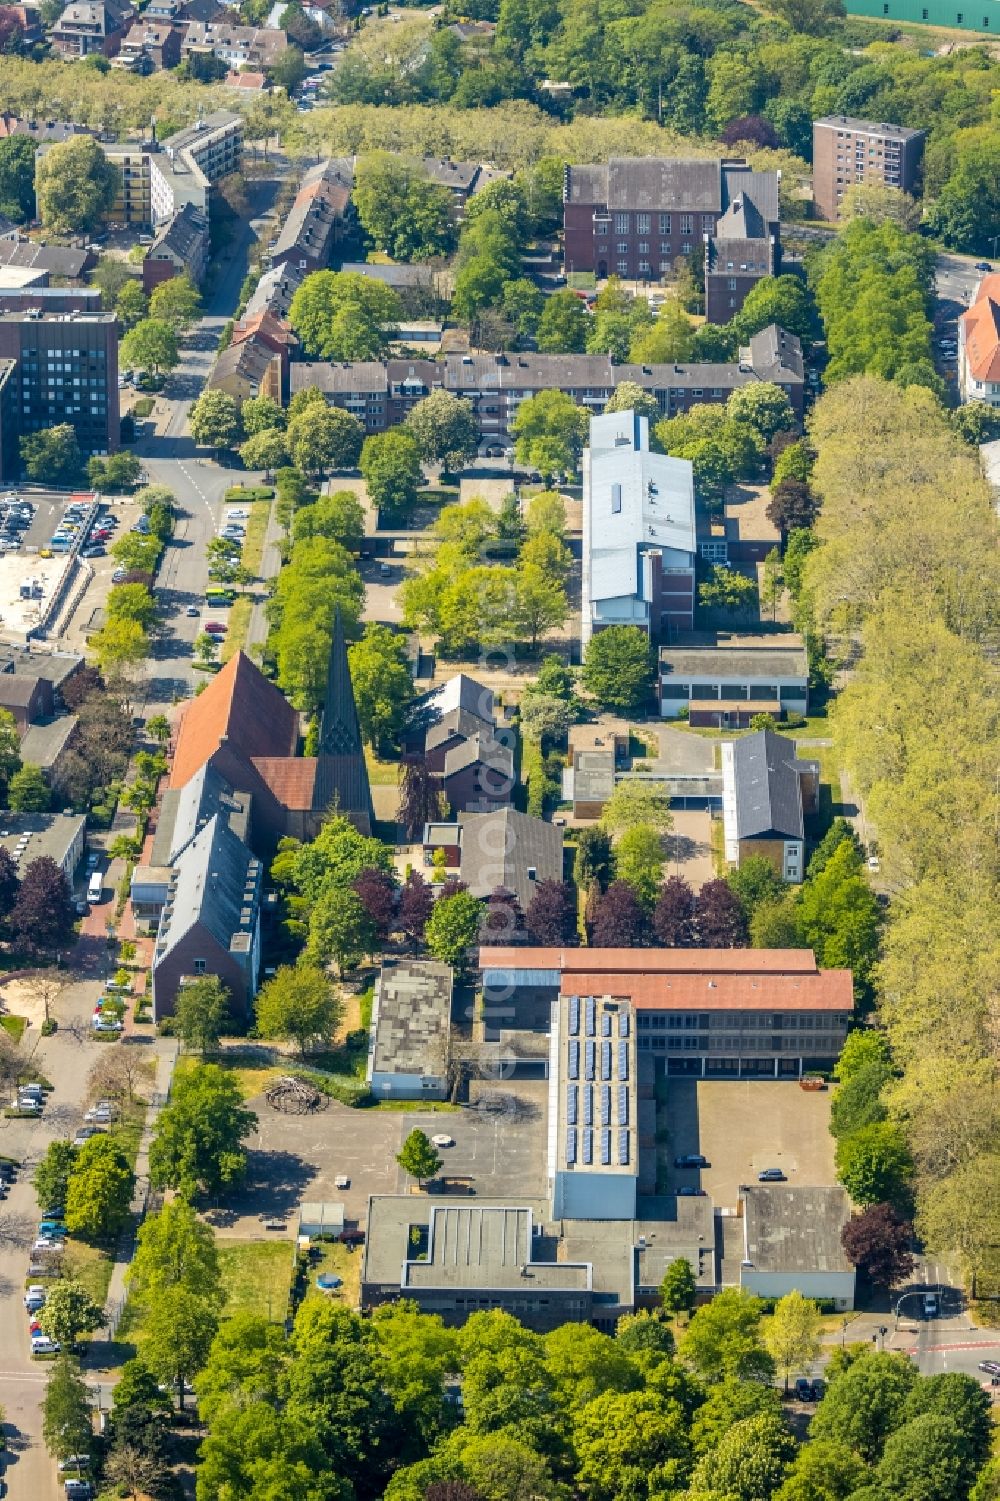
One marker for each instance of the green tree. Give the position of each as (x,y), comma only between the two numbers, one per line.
(875,1166)
(17,178)
(923,1461)
(540,603)
(405,214)
(677,1290)
(52,1175)
(342,315)
(756,882)
(445,428)
(28,791)
(865,1403)
(339,928)
(201,1013)
(762,407)
(75,185)
(630,397)
(666,341)
(197,1145)
(823,1471)
(549,431)
(390,466)
(178,1329)
(322,438)
(634,802)
(261,414)
(792,1334)
(724,1338)
(453,929)
(858,1102)
(862,1049)
(132,602)
(67,1425)
(966,1407)
(839,917)
(727,1403)
(749,1462)
(266,450)
(562,328)
(339,516)
(631,1444)
(298,1004)
(100,1190)
(10,749)
(131,305)
(214,420)
(176,301)
(383,687)
(175,1249)
(150,345)
(69,1312)
(417,1157)
(618,668)
(639,860)
(725,589)
(52,455)
(784,300)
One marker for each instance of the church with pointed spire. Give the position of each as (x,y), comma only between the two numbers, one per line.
(246,730)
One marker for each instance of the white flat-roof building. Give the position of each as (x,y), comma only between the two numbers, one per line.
(639,541)
(593,1151)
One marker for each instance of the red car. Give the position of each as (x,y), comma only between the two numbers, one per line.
(215,628)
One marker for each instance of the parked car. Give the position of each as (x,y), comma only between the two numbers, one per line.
(803,1390)
(771,1175)
(691,1159)
(691,1193)
(74,1462)
(42,1345)
(34,1298)
(991,1367)
(97,551)
(192,611)
(443,1140)
(118,575)
(215,628)
(78,1490)
(52,1227)
(818,1389)
(984,265)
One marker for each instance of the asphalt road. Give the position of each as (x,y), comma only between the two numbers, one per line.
(197,482)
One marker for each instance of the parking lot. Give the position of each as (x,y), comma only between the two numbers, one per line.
(744,1126)
(297,1157)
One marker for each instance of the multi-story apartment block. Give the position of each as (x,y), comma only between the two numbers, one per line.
(214,145)
(979,345)
(239,46)
(148,47)
(65,370)
(635,217)
(848,151)
(381,393)
(180,249)
(639,545)
(91,26)
(316,217)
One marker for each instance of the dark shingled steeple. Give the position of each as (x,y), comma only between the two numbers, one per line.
(341,772)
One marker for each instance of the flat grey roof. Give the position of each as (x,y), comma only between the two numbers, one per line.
(851,122)
(593,776)
(781,657)
(795,1229)
(412,1018)
(52,834)
(479,1245)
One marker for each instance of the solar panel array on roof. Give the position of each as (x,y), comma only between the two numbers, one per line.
(574,1059)
(623,1148)
(588,1105)
(588,1146)
(570,1147)
(571,1102)
(623,1023)
(606,1147)
(623,1104)
(605,1023)
(591,1011)
(605,1060)
(574,1014)
(623,1060)
(588,1067)
(605,1104)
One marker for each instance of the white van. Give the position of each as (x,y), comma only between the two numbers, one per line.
(94,887)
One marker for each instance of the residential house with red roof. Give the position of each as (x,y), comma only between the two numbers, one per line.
(979,345)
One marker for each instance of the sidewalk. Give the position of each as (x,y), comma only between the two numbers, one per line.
(270,565)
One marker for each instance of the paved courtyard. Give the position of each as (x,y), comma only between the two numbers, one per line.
(743,1126)
(296,1157)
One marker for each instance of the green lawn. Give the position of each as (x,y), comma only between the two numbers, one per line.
(14,1026)
(381,773)
(335,1257)
(238,623)
(255,1276)
(91,1266)
(253,546)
